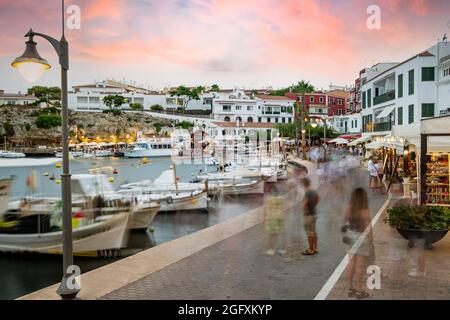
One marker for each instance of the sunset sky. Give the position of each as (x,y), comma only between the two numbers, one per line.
(251,43)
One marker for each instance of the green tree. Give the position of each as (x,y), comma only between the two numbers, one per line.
(114,101)
(187,94)
(301,87)
(215,88)
(157,127)
(186,125)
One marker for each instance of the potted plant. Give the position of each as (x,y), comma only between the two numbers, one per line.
(420,223)
(405,176)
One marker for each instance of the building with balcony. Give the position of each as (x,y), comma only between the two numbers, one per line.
(408,92)
(349,123)
(242,107)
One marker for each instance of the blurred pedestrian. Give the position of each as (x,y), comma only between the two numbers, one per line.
(356,220)
(373,174)
(275,226)
(310,202)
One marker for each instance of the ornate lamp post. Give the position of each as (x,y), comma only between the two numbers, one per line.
(31,65)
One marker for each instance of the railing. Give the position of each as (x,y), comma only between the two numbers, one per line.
(383,126)
(388,96)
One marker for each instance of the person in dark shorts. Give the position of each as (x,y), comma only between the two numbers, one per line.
(310,202)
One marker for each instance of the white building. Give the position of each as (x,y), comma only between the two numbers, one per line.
(90,97)
(16,98)
(241,107)
(349,123)
(408,92)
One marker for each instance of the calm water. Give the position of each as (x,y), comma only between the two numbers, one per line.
(24,273)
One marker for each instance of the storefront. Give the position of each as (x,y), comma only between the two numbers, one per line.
(435,164)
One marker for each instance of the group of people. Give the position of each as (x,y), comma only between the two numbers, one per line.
(356,219)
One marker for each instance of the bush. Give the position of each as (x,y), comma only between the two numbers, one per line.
(48,121)
(9,129)
(136,106)
(27,127)
(419,218)
(156,107)
(186,125)
(157,127)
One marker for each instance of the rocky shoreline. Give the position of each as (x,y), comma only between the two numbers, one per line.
(18,126)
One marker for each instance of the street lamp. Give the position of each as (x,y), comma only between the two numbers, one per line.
(31,65)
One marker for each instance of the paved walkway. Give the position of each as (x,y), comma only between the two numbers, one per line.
(228,260)
(406,273)
(238,268)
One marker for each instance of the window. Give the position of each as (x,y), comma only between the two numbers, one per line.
(227,119)
(259,119)
(226,108)
(369,97)
(276,120)
(289,110)
(400,115)
(238,108)
(311,99)
(410,114)
(283,109)
(428,74)
(364,100)
(290,120)
(269,120)
(82,100)
(250,119)
(447,72)
(411,82)
(321,100)
(283,120)
(400,85)
(249,108)
(427,110)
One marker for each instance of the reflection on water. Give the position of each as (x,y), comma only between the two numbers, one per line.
(24,273)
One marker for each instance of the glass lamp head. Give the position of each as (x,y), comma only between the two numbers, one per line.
(30,64)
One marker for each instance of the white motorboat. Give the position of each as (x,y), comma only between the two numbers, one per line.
(87,187)
(11,154)
(236,182)
(150,148)
(73,154)
(172,195)
(35,225)
(103,153)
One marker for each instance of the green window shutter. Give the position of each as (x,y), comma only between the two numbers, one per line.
(427,110)
(400,85)
(411,82)
(400,116)
(428,74)
(369,97)
(410,114)
(364,100)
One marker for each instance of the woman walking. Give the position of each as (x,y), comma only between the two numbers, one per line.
(356,220)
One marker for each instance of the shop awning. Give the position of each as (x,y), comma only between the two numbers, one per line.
(386,112)
(339,141)
(374,145)
(359,140)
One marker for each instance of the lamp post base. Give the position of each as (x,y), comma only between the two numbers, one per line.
(65,291)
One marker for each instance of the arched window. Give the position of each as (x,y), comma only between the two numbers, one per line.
(239,119)
(227,119)
(250,119)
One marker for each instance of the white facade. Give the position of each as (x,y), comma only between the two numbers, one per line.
(407,93)
(90,98)
(16,98)
(240,107)
(349,123)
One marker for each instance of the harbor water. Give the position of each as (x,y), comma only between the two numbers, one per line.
(24,273)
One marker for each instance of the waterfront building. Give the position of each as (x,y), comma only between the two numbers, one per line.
(403,95)
(240,106)
(349,123)
(16,98)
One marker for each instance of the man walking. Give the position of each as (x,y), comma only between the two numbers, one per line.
(310,202)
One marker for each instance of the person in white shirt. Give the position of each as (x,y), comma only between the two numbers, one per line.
(373,174)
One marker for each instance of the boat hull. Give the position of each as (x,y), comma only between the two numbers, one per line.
(110,233)
(147,153)
(185,202)
(143,216)
(255,187)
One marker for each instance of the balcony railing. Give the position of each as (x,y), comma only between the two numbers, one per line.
(383,126)
(388,96)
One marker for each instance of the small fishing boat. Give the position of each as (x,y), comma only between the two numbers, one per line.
(35,225)
(238,181)
(170,193)
(11,154)
(103,153)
